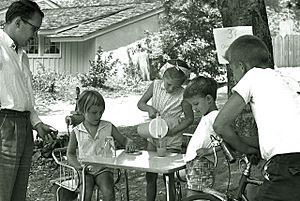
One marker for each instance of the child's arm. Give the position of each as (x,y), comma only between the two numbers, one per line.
(142,104)
(124,141)
(223,124)
(186,121)
(71,152)
(207,151)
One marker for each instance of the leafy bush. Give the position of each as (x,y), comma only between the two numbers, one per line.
(49,84)
(44,80)
(131,74)
(99,71)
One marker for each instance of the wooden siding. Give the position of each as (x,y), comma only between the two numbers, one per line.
(74,58)
(286,51)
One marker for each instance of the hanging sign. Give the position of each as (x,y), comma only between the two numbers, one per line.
(225,36)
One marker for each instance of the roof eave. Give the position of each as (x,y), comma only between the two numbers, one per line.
(107,29)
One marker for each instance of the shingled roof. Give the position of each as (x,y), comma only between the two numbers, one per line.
(64,17)
(81,19)
(5,3)
(44,4)
(84,3)
(111,15)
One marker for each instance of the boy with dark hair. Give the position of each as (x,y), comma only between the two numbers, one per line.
(201,93)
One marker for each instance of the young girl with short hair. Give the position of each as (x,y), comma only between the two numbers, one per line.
(89,137)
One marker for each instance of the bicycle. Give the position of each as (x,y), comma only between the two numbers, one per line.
(213,195)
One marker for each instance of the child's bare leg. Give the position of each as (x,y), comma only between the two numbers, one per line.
(89,188)
(151,186)
(105,181)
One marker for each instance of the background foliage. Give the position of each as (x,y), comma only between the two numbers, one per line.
(281,10)
(100,70)
(187,33)
(50,85)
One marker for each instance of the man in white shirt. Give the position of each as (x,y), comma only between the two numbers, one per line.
(274,100)
(17,114)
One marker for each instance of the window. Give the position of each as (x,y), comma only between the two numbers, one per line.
(32,46)
(51,47)
(42,47)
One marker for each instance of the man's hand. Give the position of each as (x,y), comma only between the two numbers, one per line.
(46,132)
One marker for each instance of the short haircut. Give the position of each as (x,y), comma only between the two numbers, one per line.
(22,8)
(89,98)
(249,49)
(174,73)
(201,86)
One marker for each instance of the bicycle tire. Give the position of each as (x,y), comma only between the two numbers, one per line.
(201,197)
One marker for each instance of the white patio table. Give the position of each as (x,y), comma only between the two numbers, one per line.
(146,161)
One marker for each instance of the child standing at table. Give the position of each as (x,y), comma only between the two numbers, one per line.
(89,137)
(167,100)
(201,93)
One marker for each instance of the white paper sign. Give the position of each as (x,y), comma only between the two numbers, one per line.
(225,36)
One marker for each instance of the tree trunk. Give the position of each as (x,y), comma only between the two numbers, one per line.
(246,13)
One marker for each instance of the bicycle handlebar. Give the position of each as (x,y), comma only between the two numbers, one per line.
(216,141)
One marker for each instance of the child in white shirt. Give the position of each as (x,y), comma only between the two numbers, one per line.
(201,93)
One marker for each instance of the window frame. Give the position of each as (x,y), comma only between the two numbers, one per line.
(41,49)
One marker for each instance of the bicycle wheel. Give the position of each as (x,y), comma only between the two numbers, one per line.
(201,197)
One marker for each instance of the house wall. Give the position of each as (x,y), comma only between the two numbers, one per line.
(74,58)
(128,34)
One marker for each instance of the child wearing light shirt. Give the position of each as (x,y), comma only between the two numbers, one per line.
(201,93)
(274,100)
(167,100)
(89,138)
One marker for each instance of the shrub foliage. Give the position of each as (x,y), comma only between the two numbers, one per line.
(100,70)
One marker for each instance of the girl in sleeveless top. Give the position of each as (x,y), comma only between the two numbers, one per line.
(167,100)
(88,137)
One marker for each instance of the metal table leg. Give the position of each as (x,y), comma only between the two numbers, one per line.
(126,184)
(167,186)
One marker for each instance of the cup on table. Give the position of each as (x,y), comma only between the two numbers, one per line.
(161,147)
(161,152)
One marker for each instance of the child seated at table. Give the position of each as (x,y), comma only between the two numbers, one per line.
(167,100)
(88,137)
(201,93)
